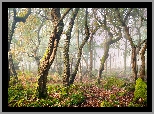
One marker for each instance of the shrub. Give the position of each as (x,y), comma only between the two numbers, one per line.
(130,87)
(113,81)
(77,98)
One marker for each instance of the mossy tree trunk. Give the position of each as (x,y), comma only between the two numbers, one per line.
(91,55)
(134,62)
(11,65)
(133,46)
(107,44)
(109,41)
(16,19)
(106,50)
(80,50)
(77,36)
(66,49)
(125,55)
(50,53)
(142,69)
(133,55)
(103,59)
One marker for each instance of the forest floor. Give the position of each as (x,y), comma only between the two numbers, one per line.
(95,96)
(112,92)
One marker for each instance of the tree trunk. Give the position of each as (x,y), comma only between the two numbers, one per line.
(77,35)
(130,40)
(103,59)
(91,55)
(106,50)
(110,63)
(133,58)
(94,55)
(80,73)
(12,69)
(134,62)
(106,66)
(142,69)
(11,32)
(125,55)
(71,65)
(50,53)
(80,50)
(8,74)
(106,58)
(66,49)
(81,66)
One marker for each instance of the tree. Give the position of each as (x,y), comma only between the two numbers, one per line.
(11,66)
(142,69)
(16,19)
(35,48)
(66,49)
(125,55)
(135,47)
(80,50)
(110,40)
(50,53)
(91,54)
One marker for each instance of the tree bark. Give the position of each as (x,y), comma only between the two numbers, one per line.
(50,53)
(106,50)
(66,49)
(134,62)
(80,50)
(110,63)
(11,64)
(77,36)
(11,31)
(91,55)
(103,59)
(142,69)
(133,46)
(125,55)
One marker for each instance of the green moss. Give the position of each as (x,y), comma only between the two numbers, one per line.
(45,54)
(102,59)
(77,98)
(106,104)
(140,90)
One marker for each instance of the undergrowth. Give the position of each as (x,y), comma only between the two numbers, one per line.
(116,92)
